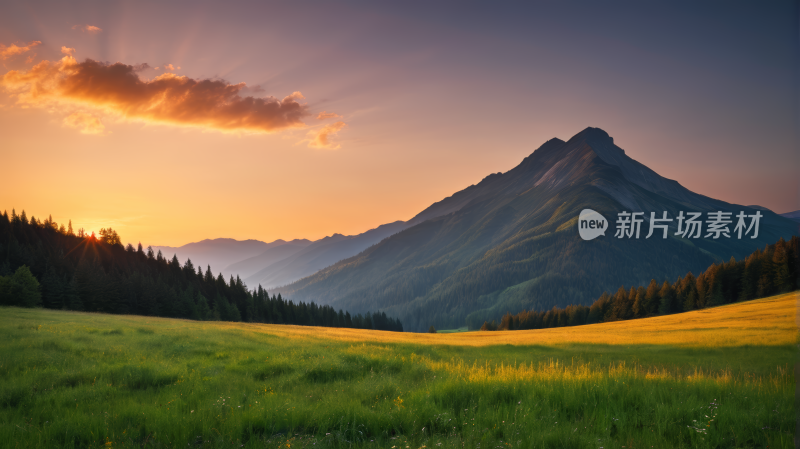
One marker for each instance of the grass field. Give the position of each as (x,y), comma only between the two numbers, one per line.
(715,378)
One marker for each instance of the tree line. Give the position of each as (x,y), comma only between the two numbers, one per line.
(766,272)
(46,264)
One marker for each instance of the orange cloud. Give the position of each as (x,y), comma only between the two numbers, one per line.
(14,49)
(91,29)
(67,50)
(169,98)
(86,123)
(323,115)
(319,139)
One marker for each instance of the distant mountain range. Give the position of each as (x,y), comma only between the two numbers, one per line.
(511,243)
(220,253)
(792,215)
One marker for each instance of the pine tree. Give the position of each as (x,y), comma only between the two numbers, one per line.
(203,310)
(53,290)
(639,304)
(620,309)
(689,292)
(780,268)
(667,299)
(652,300)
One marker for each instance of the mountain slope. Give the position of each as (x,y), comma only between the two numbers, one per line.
(792,215)
(511,241)
(249,266)
(320,254)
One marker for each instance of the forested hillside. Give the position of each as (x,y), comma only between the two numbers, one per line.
(43,263)
(773,270)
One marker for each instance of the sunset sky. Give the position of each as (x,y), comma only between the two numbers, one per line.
(177,121)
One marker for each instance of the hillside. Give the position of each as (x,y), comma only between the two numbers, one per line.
(510,242)
(251,265)
(318,255)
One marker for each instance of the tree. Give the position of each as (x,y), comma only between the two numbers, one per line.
(431,330)
(110,237)
(639,310)
(780,266)
(651,298)
(203,310)
(667,298)
(53,290)
(623,305)
(25,288)
(5,291)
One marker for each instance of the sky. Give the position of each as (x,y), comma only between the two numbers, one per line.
(177,121)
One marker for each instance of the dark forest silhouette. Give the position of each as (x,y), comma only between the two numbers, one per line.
(53,266)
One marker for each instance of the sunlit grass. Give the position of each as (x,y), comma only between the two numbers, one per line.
(715,378)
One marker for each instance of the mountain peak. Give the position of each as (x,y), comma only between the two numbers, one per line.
(594,134)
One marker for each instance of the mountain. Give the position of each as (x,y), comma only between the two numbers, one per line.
(511,243)
(792,215)
(218,253)
(250,266)
(320,254)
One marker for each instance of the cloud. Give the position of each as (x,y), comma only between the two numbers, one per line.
(168,98)
(319,139)
(91,29)
(14,49)
(86,123)
(67,50)
(324,115)
(171,67)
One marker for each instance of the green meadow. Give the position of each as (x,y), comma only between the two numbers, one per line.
(82,380)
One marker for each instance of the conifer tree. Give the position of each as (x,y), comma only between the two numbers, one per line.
(780,266)
(652,300)
(639,304)
(667,299)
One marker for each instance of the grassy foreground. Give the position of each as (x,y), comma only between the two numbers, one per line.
(720,377)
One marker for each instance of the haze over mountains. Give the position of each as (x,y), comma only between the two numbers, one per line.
(222,252)
(506,244)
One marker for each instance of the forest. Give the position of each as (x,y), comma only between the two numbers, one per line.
(763,273)
(46,264)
